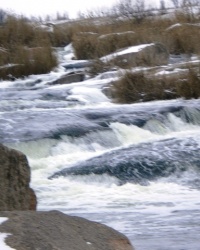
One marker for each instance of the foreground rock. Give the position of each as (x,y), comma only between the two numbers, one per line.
(56,231)
(153,54)
(14,181)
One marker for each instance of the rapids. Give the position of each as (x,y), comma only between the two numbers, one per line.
(133,167)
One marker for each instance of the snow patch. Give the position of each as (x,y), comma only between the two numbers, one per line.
(117,33)
(3,245)
(132,49)
(174,26)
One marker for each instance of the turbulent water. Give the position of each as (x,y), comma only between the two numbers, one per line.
(133,167)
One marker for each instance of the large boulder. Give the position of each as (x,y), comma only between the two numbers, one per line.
(152,54)
(16,193)
(54,230)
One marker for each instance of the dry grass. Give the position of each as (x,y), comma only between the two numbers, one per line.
(98,66)
(189,87)
(25,48)
(136,87)
(184,39)
(92,38)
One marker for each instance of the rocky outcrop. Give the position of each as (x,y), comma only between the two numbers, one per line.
(55,230)
(153,54)
(16,193)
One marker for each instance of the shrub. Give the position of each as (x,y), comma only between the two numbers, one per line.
(98,66)
(25,50)
(61,35)
(183,39)
(85,46)
(109,43)
(26,61)
(190,86)
(134,87)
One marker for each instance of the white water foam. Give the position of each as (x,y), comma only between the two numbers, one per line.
(133,209)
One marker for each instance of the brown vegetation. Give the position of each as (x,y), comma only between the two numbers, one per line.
(127,23)
(25,49)
(138,26)
(137,87)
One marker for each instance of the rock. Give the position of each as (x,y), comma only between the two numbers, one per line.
(77,64)
(33,200)
(14,181)
(140,164)
(69,78)
(153,54)
(56,231)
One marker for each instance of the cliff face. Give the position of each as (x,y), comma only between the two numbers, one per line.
(15,192)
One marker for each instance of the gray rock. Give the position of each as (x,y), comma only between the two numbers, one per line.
(153,54)
(14,181)
(56,231)
(77,64)
(70,78)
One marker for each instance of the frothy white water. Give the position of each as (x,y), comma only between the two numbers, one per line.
(87,95)
(165,206)
(163,215)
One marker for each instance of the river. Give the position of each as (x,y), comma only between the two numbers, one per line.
(133,167)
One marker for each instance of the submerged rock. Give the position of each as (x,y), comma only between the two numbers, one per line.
(141,163)
(55,230)
(16,193)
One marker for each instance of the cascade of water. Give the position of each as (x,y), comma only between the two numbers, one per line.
(76,125)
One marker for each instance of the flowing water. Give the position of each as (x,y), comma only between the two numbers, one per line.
(133,167)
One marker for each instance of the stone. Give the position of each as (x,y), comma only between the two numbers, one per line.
(153,54)
(54,230)
(16,193)
(76,64)
(69,78)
